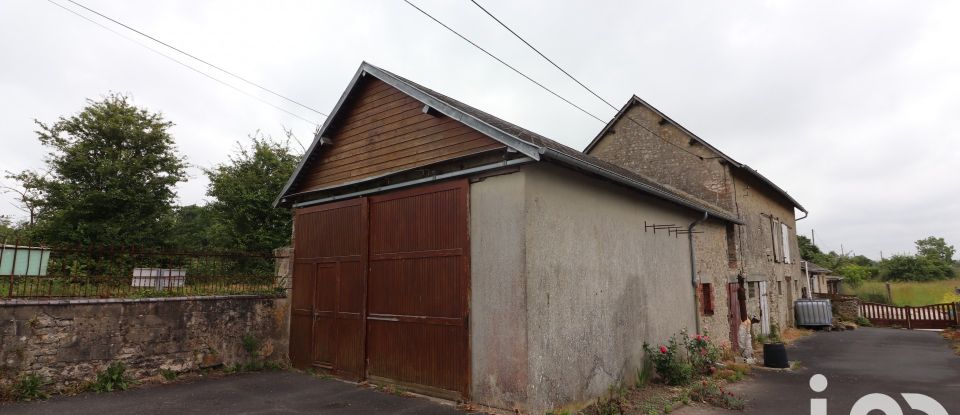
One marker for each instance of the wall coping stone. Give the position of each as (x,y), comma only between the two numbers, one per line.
(75,301)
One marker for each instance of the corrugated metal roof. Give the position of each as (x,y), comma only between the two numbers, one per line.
(531,144)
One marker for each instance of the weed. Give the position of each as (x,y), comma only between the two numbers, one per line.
(169,375)
(644,372)
(711,393)
(728,375)
(272,366)
(253,366)
(774,334)
(30,388)
(251,344)
(863,321)
(113,378)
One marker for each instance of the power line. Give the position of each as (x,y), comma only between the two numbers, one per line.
(555,65)
(502,62)
(542,55)
(74,12)
(245,80)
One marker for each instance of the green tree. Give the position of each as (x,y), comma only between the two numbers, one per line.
(110,178)
(244,190)
(808,251)
(936,249)
(914,268)
(6,229)
(196,228)
(854,274)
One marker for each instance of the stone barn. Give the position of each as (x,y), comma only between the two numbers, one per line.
(443,250)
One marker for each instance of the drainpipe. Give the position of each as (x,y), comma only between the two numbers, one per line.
(693,269)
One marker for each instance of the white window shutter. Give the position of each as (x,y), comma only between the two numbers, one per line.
(785,231)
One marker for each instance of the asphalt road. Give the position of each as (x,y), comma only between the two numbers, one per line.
(855,363)
(252,393)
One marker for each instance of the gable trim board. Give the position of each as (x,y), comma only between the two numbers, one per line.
(531,145)
(635,100)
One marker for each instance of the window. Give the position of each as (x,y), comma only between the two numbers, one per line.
(785,245)
(752,289)
(779,287)
(731,245)
(706,298)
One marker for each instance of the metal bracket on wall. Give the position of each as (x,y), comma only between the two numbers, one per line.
(653,226)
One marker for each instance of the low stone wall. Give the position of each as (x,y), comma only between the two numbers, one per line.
(845,307)
(68,342)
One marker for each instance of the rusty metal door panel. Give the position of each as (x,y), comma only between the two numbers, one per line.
(418,288)
(324,316)
(330,241)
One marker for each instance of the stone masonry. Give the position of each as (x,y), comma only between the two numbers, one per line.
(68,343)
(675,158)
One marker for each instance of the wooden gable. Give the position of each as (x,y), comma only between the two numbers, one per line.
(382,130)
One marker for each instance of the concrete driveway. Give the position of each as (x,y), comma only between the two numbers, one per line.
(855,363)
(252,393)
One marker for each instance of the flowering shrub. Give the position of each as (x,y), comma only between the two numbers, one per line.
(671,362)
(703,354)
(683,357)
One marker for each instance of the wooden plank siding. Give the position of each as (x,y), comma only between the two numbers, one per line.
(382,131)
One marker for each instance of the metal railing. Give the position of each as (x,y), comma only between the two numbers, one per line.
(32,270)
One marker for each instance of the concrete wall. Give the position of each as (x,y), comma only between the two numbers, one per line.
(714,182)
(498,328)
(67,344)
(597,285)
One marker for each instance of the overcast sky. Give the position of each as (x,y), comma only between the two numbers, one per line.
(853,107)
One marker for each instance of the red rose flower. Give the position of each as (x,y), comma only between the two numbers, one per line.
(663,349)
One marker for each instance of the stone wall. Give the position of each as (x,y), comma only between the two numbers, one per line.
(67,342)
(846,308)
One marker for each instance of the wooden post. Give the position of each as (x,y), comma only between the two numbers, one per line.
(909,311)
(956,312)
(889,294)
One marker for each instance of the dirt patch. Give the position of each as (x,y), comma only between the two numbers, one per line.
(658,398)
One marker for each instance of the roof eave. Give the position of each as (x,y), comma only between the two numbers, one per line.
(619,178)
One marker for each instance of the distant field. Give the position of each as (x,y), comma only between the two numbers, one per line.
(909,293)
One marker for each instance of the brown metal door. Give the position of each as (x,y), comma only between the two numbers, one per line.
(733,314)
(327,323)
(419,283)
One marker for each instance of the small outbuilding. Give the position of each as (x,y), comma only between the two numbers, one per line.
(444,250)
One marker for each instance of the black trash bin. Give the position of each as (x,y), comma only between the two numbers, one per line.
(775,355)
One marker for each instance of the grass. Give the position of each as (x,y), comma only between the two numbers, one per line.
(908,293)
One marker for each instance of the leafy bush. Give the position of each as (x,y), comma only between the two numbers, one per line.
(30,388)
(703,354)
(113,378)
(671,362)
